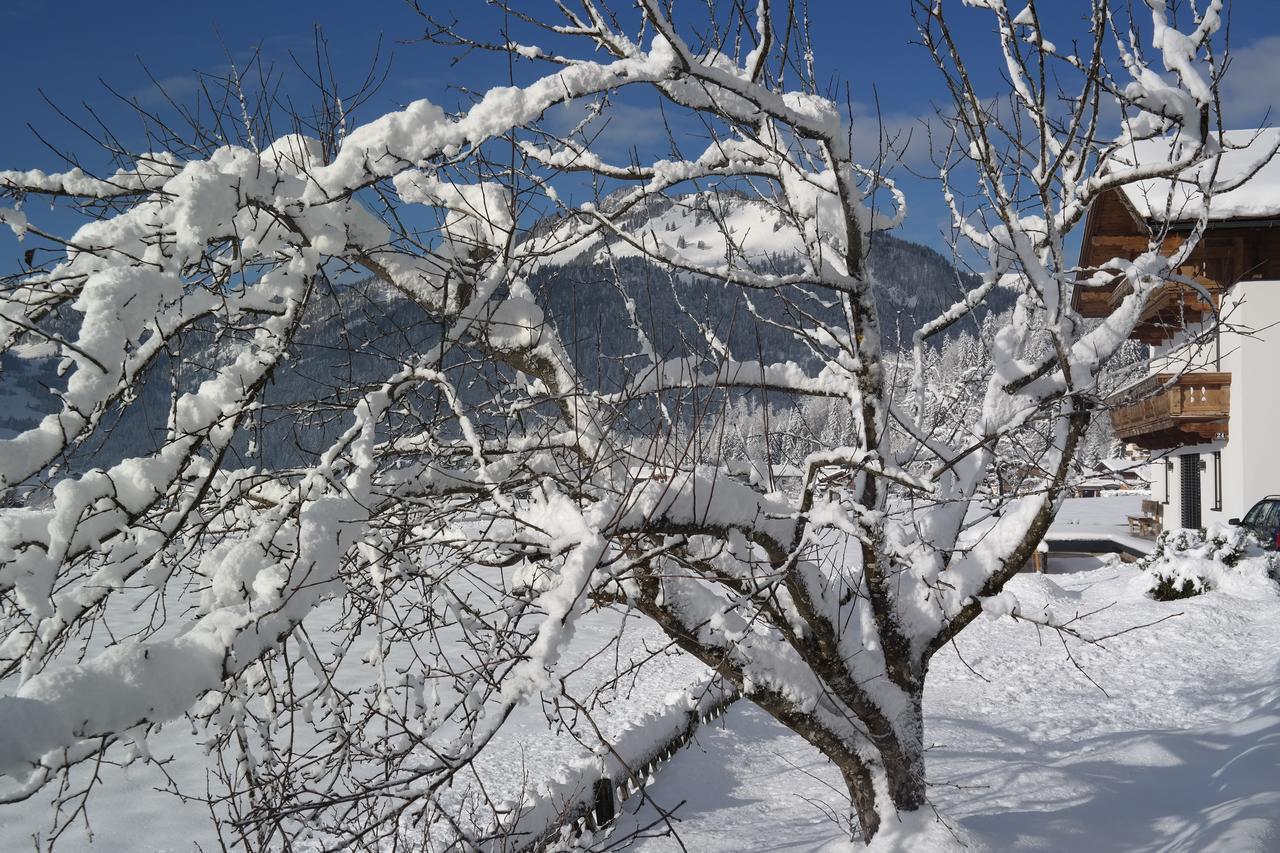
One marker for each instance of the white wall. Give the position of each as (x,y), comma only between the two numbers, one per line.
(1248,349)
(1255,395)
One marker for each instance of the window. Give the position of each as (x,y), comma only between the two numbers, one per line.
(1168,466)
(1217,480)
(1191,491)
(1272,529)
(1264,520)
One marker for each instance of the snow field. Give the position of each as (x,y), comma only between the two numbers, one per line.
(1179,754)
(621,656)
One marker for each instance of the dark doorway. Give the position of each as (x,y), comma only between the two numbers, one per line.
(1191,491)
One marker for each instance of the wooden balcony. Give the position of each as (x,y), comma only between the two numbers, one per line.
(1094,301)
(1216,265)
(1167,410)
(1168,310)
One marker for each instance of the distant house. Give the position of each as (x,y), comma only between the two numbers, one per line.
(778,476)
(1209,410)
(1130,474)
(1110,476)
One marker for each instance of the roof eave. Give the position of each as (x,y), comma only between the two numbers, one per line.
(1232,222)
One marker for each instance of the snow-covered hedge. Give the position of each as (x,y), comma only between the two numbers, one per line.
(1190,562)
(569,805)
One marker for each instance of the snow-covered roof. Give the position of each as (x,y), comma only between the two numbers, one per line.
(1121,465)
(1178,200)
(1099,483)
(747,467)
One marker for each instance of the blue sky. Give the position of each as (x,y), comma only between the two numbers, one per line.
(66,48)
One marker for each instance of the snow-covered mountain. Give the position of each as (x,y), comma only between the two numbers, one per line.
(579,287)
(360,331)
(23,393)
(913,282)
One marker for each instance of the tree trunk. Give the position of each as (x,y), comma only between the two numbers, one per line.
(901,761)
(862,793)
(904,763)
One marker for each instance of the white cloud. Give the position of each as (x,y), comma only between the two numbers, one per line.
(178,88)
(900,137)
(625,126)
(1251,89)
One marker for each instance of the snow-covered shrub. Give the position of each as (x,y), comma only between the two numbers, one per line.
(1188,562)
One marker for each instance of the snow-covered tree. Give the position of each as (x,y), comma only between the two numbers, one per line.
(474,495)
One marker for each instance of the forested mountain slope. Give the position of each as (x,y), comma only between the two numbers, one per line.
(359,328)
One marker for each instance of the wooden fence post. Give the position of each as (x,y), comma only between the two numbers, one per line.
(605,809)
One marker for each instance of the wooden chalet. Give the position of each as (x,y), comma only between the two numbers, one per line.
(1199,362)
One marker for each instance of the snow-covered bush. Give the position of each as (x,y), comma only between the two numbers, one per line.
(1187,562)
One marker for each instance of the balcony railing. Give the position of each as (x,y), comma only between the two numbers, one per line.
(1168,310)
(1094,301)
(1215,265)
(1168,410)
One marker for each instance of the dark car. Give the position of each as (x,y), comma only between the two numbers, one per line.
(1263,521)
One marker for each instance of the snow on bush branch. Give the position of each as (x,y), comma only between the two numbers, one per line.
(1187,563)
(476,493)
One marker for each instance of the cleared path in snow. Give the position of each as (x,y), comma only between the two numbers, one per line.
(1099,525)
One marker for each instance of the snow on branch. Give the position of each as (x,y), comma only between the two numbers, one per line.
(356,440)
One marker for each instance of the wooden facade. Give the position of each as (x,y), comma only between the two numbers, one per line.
(1229,252)
(1165,411)
(1232,250)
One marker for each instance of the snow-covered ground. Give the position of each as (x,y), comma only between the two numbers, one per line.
(1100,519)
(1176,747)
(1179,753)
(132,812)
